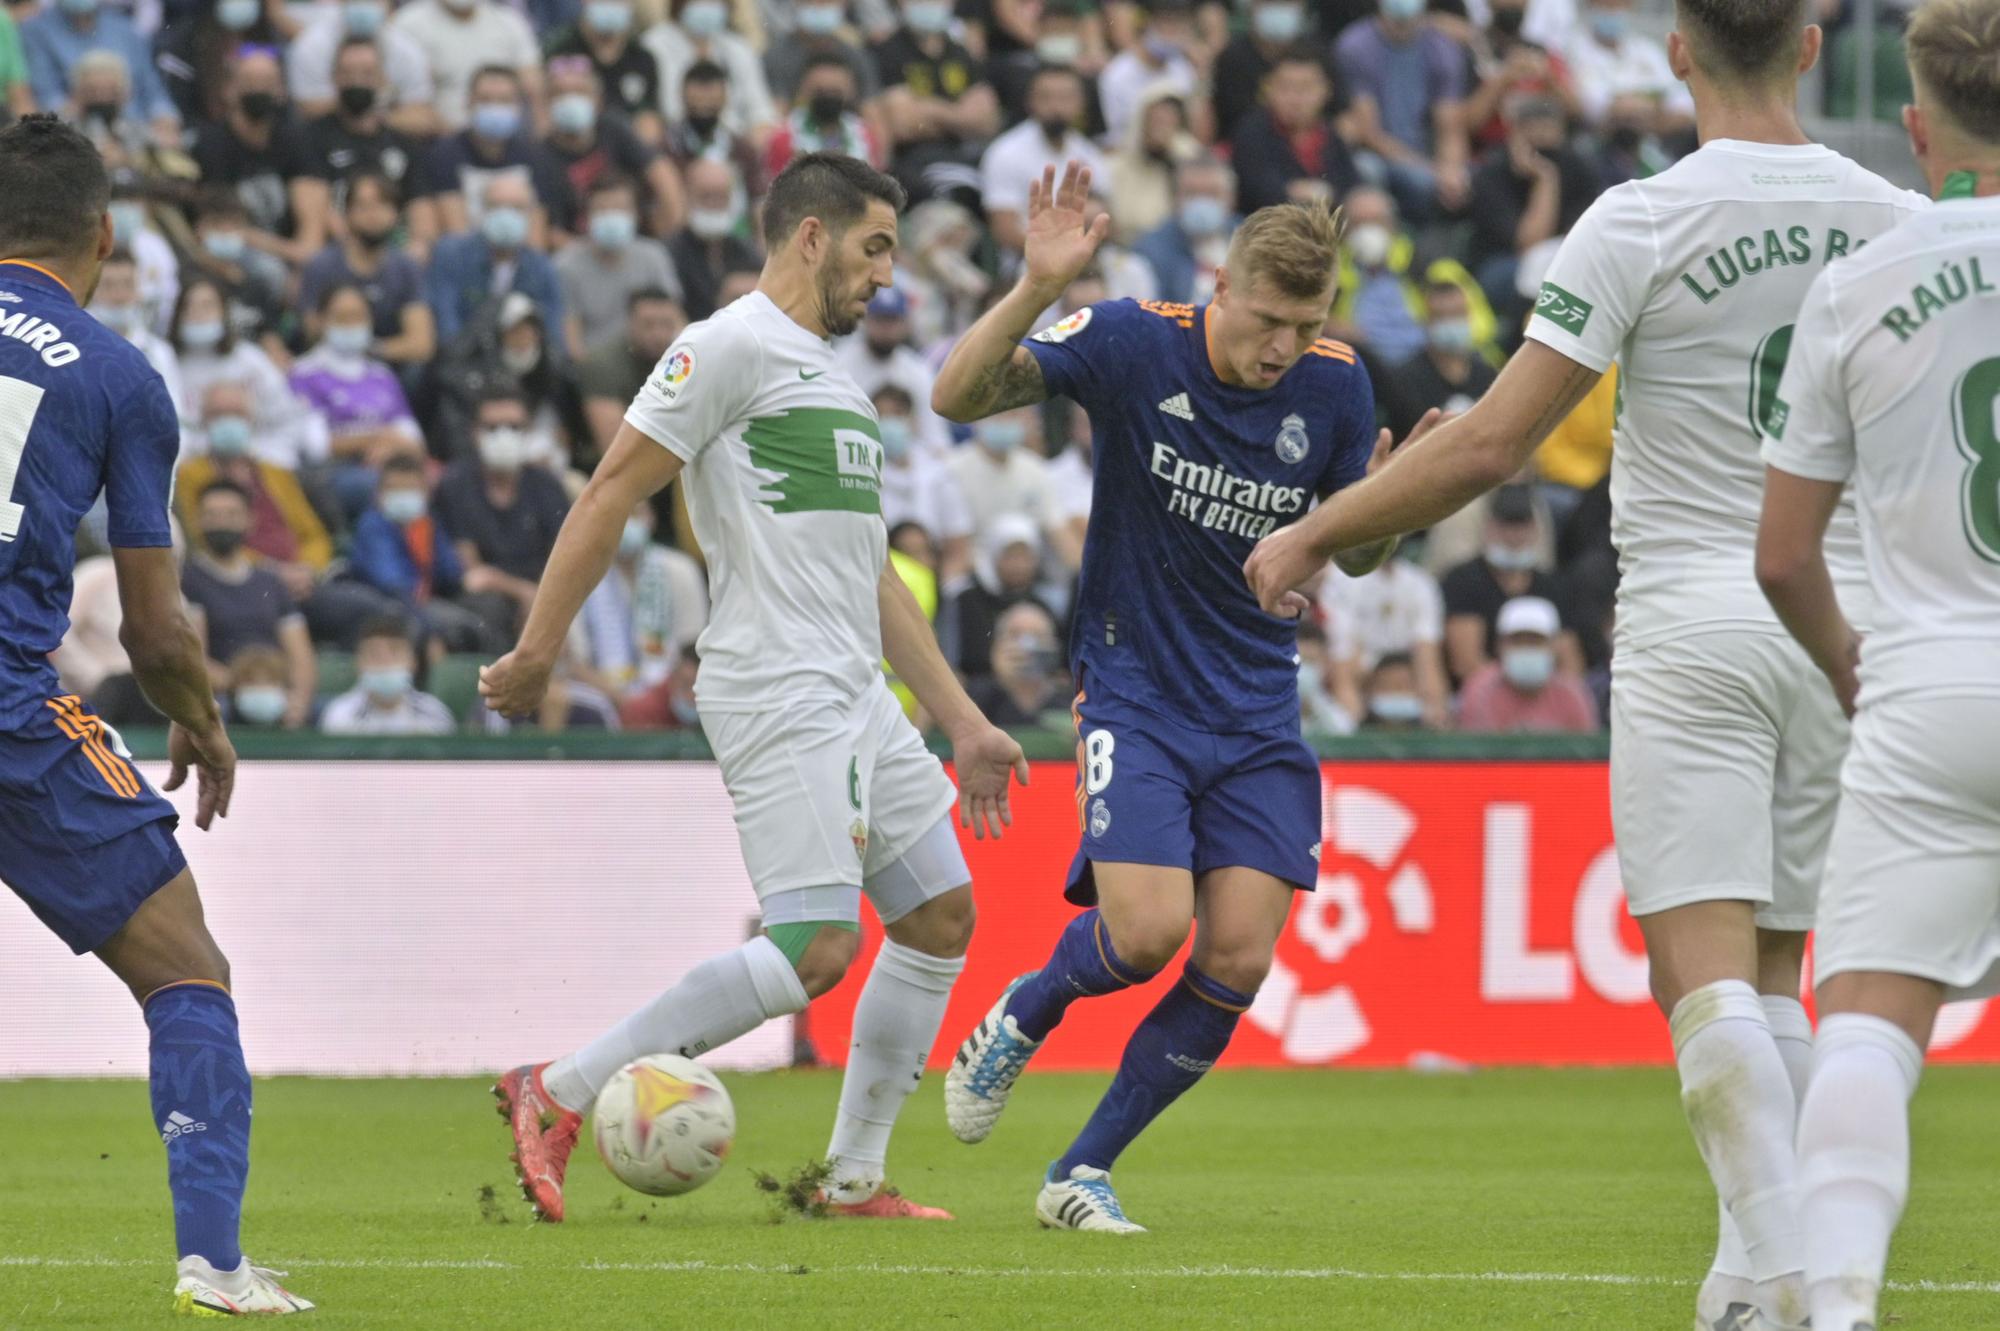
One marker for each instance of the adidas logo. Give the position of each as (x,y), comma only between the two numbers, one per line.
(178,1125)
(1177,405)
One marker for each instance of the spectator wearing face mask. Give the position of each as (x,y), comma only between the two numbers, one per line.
(918,486)
(591,146)
(1067,35)
(62,34)
(1006,570)
(611,262)
(319,68)
(1027,684)
(819,27)
(696,132)
(697,31)
(1140,192)
(826,117)
(883,357)
(1158,59)
(1525,193)
(669,706)
(158,268)
(496,144)
(1392,701)
(117,306)
(1514,65)
(527,356)
(1609,60)
(716,240)
(468,271)
(252,280)
(1274,27)
(354,137)
(367,417)
(1299,138)
(1321,714)
(603,34)
(502,513)
(254,150)
(936,97)
(367,257)
(1408,77)
(283,431)
(194,52)
(1448,374)
(651,600)
(460,38)
(1523,690)
(385,699)
(1003,473)
(1509,566)
(1185,250)
(1017,159)
(239,602)
(1398,610)
(260,689)
(1381,307)
(405,553)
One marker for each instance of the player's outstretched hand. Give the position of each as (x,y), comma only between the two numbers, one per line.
(515,686)
(213,759)
(985,759)
(1061,237)
(1275,569)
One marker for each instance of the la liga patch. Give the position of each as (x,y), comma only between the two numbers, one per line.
(1065,328)
(676,372)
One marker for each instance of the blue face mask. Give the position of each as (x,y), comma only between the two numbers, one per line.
(573,113)
(496,120)
(229,436)
(895,437)
(238,15)
(705,18)
(1450,335)
(349,339)
(1001,437)
(1527,668)
(608,16)
(504,228)
(1278,23)
(634,538)
(79,7)
(1608,25)
(364,18)
(201,335)
(128,219)
(819,20)
(227,246)
(260,704)
(927,16)
(403,506)
(614,231)
(1203,216)
(1397,707)
(1507,557)
(685,711)
(1404,10)
(386,684)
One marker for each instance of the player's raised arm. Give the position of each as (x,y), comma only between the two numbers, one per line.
(635,468)
(988,370)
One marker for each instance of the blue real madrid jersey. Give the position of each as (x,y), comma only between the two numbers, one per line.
(1190,473)
(81,412)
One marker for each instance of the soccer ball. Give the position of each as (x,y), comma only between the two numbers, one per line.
(664,1125)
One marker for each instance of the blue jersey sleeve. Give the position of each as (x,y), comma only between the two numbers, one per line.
(1081,352)
(1354,430)
(139,466)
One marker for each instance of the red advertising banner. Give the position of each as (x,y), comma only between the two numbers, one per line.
(1465,913)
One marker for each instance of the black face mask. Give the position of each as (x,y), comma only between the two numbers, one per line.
(1055,127)
(373,240)
(1624,139)
(101,111)
(1507,22)
(356,100)
(259,105)
(222,541)
(826,108)
(704,125)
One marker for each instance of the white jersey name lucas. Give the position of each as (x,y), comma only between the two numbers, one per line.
(1690,280)
(783,479)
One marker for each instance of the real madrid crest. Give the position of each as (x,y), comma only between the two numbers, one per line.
(1292,442)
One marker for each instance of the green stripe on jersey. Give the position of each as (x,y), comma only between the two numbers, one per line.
(827,459)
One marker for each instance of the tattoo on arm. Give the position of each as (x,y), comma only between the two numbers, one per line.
(1013,382)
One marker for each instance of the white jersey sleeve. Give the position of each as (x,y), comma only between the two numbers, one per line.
(1599,282)
(705,381)
(1812,433)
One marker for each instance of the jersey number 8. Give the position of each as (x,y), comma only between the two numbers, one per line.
(1975,419)
(1097,747)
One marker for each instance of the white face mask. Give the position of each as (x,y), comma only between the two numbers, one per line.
(503,448)
(1527,668)
(711,223)
(1369,243)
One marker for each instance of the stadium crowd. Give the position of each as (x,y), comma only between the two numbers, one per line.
(403,266)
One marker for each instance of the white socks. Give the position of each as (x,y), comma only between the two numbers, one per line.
(720,999)
(895,1024)
(1854,1162)
(1730,1279)
(1739,1103)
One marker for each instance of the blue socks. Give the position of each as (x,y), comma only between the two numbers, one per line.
(201,1106)
(1084,965)
(1179,1040)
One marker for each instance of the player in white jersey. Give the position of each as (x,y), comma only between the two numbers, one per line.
(1725,745)
(1893,387)
(835,794)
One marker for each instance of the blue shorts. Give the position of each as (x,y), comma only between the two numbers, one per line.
(83,839)
(1149,791)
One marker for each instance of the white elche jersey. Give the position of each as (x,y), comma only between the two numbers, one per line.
(784,487)
(1893,385)
(1690,281)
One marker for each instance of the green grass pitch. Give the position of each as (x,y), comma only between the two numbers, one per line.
(1346,1200)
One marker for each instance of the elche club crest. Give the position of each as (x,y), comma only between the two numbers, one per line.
(1292,443)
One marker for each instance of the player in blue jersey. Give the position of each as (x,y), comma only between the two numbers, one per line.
(84,840)
(1199,802)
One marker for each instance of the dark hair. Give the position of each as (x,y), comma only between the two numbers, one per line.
(1311,632)
(829,186)
(219,201)
(198,283)
(1512,505)
(401,464)
(704,71)
(349,43)
(1742,38)
(500,388)
(1390,661)
(895,393)
(384,626)
(649,296)
(1301,53)
(384,186)
(1053,71)
(326,298)
(120,255)
(224,486)
(512,76)
(609,181)
(826,60)
(57,190)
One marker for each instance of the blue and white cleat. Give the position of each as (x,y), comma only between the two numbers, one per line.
(981,1077)
(248,1291)
(1084,1200)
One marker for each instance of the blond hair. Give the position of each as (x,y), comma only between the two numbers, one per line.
(1954,53)
(1293,246)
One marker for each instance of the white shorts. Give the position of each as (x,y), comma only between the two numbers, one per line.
(828,801)
(1913,880)
(1725,773)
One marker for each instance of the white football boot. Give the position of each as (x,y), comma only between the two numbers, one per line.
(1084,1200)
(248,1291)
(982,1075)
